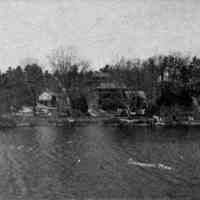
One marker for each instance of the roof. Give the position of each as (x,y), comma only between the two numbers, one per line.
(111,86)
(101,75)
(141,94)
(47,96)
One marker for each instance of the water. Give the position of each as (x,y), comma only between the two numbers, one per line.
(92,162)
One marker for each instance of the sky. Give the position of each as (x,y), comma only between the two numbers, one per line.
(101,30)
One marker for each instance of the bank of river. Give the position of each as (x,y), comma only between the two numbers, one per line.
(93,162)
(11,121)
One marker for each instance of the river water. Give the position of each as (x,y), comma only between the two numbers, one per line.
(92,162)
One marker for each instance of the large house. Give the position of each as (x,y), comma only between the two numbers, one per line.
(111,95)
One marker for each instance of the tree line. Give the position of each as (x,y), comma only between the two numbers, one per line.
(167,80)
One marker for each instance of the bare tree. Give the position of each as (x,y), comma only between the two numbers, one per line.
(62,59)
(70,72)
(68,65)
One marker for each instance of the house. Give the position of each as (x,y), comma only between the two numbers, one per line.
(110,95)
(51,103)
(48,98)
(138,102)
(100,77)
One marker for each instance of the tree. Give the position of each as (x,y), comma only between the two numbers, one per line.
(62,59)
(35,81)
(70,71)
(67,67)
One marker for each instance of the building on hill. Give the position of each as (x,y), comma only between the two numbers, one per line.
(111,95)
(99,77)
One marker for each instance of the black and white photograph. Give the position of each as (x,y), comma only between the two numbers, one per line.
(99,99)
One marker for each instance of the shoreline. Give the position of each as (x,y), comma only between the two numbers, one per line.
(36,121)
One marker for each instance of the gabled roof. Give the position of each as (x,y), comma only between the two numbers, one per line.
(47,96)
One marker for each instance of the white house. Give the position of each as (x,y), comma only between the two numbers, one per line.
(50,102)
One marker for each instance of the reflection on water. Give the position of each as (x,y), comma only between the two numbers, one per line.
(90,161)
